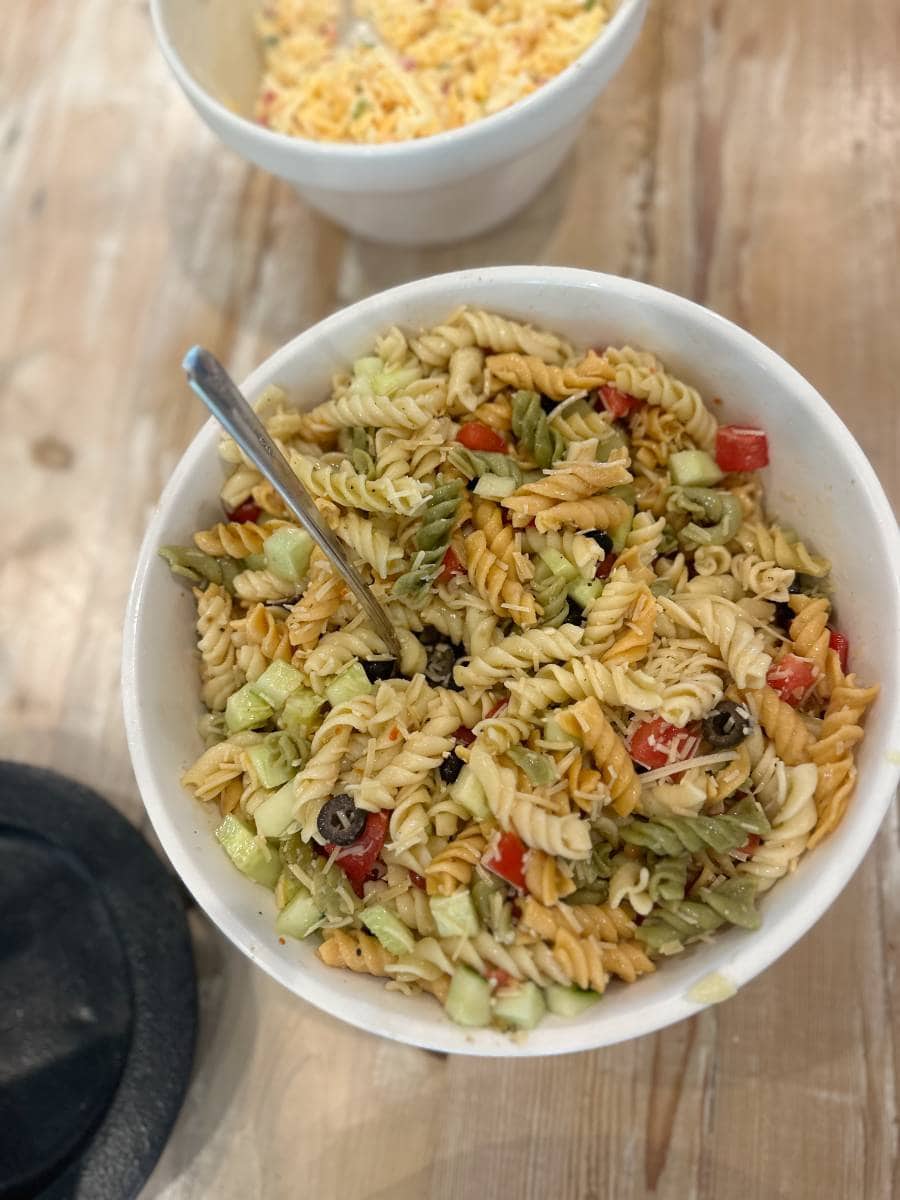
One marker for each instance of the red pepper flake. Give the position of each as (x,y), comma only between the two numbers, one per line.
(464,735)
(417,880)
(394,734)
(498,708)
(282,941)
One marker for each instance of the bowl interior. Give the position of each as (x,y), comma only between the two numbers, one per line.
(216,40)
(819,482)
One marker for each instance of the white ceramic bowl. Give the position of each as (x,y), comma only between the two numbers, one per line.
(430,190)
(819,481)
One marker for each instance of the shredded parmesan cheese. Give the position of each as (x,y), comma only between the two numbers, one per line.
(705,760)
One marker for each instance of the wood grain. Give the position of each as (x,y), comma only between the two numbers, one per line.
(747,156)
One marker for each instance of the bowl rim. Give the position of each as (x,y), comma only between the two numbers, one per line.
(396,152)
(750,955)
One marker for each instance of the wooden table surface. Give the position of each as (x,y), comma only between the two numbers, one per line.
(746,156)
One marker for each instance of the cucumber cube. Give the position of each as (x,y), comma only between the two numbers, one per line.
(348,685)
(495,487)
(620,534)
(584,593)
(299,713)
(694,468)
(389,929)
(241,845)
(254,562)
(469,999)
(468,792)
(560,565)
(522,1008)
(286,888)
(271,767)
(276,812)
(300,917)
(554,733)
(454,915)
(277,682)
(246,709)
(568,1001)
(287,552)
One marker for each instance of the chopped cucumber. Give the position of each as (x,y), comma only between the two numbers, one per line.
(523,1007)
(694,468)
(555,734)
(626,492)
(661,587)
(568,1001)
(287,552)
(254,562)
(276,812)
(584,593)
(242,846)
(300,917)
(537,767)
(495,487)
(469,999)
(348,685)
(277,682)
(454,915)
(468,792)
(286,888)
(271,765)
(246,709)
(559,565)
(389,929)
(619,533)
(299,713)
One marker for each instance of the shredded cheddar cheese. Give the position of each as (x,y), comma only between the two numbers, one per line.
(440,64)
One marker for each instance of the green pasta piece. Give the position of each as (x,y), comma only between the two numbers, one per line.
(551,593)
(356,443)
(671,836)
(432,539)
(720,511)
(673,924)
(668,878)
(193,564)
(493,909)
(734,901)
(328,888)
(475,463)
(529,423)
(592,876)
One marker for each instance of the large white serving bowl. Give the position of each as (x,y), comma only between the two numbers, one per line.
(430,190)
(819,481)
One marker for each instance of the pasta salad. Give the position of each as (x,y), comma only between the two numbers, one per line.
(622,711)
(436,64)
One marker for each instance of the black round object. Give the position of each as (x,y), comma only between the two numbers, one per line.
(548,405)
(339,821)
(602,538)
(377,669)
(450,767)
(441,660)
(724,727)
(784,614)
(97,994)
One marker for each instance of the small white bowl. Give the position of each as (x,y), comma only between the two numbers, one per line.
(819,481)
(420,192)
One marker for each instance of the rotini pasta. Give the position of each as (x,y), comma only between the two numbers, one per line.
(619,712)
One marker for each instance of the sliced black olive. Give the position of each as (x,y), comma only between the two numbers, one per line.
(450,768)
(340,822)
(442,658)
(796,588)
(547,404)
(602,538)
(725,726)
(784,614)
(576,612)
(377,669)
(472,484)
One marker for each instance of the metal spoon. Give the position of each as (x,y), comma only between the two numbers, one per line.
(221,395)
(352,30)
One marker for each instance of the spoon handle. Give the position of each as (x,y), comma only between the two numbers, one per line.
(221,395)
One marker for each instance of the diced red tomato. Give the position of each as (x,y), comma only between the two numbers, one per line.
(604,567)
(500,977)
(248,511)
(792,679)
(841,643)
(617,404)
(741,448)
(475,435)
(498,707)
(751,845)
(417,880)
(656,743)
(506,859)
(358,859)
(452,566)
(464,735)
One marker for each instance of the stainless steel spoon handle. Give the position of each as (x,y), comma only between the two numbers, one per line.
(223,398)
